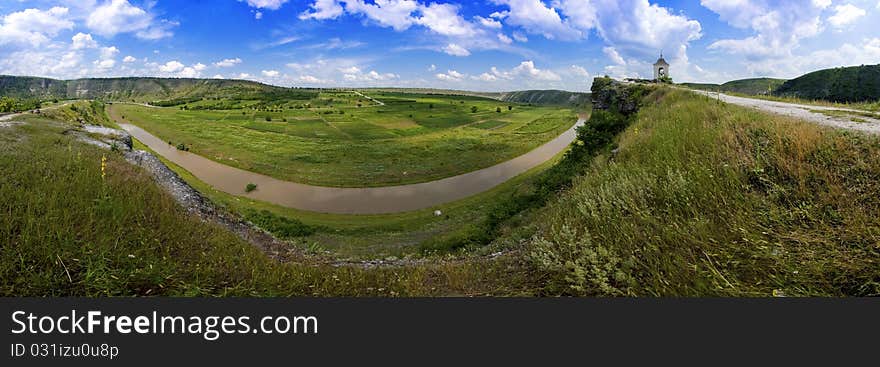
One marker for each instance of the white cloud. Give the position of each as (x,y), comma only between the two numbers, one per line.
(845,15)
(442,19)
(119,16)
(109,52)
(225,63)
(270,73)
(350,70)
(488,22)
(199,66)
(258,15)
(579,71)
(171,67)
(105,64)
(486,77)
(244,76)
(309,79)
(266,4)
(33,27)
(504,39)
(528,69)
(613,55)
(129,59)
(83,40)
(445,20)
(536,17)
(456,50)
(519,37)
(432,67)
(323,9)
(218,76)
(450,76)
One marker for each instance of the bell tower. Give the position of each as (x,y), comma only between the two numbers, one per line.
(661,68)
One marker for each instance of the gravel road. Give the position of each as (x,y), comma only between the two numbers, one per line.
(804,112)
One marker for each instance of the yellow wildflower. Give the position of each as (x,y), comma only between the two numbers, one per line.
(103,166)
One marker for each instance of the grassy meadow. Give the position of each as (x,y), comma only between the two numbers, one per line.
(343,139)
(68,232)
(708,199)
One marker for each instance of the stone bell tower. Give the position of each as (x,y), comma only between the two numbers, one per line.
(661,68)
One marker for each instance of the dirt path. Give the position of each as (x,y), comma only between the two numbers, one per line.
(372,200)
(370,98)
(805,112)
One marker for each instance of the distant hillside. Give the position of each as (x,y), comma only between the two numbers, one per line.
(849,84)
(162,90)
(548,97)
(752,86)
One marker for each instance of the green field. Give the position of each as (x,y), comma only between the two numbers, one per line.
(342,139)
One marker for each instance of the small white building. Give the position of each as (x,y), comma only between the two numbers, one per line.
(661,68)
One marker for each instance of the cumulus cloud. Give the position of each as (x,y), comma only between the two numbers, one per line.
(450,76)
(456,50)
(171,67)
(270,73)
(437,18)
(34,27)
(83,40)
(536,17)
(845,15)
(129,59)
(226,63)
(266,4)
(504,39)
(579,71)
(488,22)
(119,16)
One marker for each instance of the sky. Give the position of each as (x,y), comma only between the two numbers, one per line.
(483,45)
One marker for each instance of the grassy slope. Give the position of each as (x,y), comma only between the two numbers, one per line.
(67,232)
(407,141)
(755,86)
(133,88)
(713,199)
(849,84)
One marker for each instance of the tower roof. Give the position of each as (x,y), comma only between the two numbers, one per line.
(661,61)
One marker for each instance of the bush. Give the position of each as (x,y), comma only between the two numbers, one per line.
(282,227)
(474,109)
(182,147)
(250,187)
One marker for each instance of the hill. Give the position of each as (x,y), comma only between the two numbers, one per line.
(845,84)
(548,97)
(166,91)
(754,86)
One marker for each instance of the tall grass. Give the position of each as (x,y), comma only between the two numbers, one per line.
(65,231)
(711,199)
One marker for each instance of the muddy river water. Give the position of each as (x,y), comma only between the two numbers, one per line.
(371,200)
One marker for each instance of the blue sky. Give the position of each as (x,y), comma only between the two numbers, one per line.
(486,45)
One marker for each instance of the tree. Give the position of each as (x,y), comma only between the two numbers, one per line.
(474,109)
(510,108)
(498,109)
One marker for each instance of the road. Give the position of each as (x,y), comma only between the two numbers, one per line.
(804,112)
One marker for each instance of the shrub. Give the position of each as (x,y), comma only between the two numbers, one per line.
(282,227)
(250,187)
(182,147)
(474,109)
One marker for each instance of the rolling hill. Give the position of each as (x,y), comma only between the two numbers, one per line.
(547,97)
(845,84)
(754,86)
(137,89)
